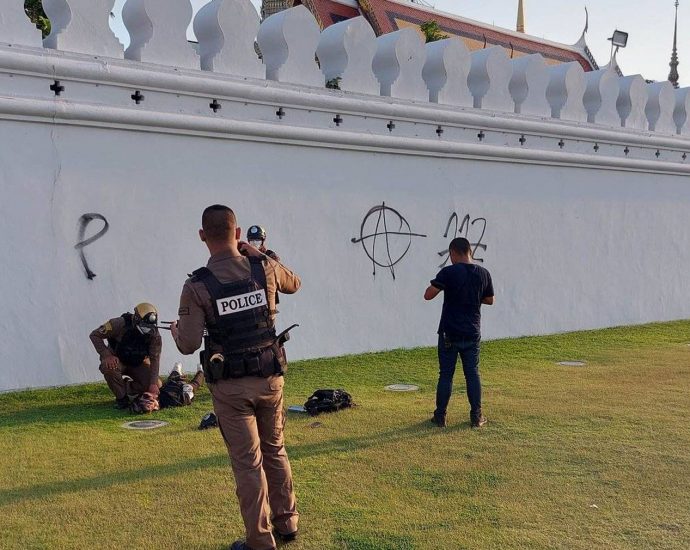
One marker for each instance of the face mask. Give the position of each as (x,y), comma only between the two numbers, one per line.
(256,244)
(144,329)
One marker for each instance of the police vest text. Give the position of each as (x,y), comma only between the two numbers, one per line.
(243,302)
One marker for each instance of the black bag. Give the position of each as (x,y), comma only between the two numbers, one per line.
(328,401)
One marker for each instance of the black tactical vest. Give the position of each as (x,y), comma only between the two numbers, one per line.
(242,315)
(133,347)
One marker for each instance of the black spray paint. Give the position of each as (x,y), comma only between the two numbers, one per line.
(84,221)
(457,232)
(369,240)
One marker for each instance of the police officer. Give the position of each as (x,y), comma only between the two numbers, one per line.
(256,237)
(234,299)
(130,345)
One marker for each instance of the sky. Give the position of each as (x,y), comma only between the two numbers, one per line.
(649,23)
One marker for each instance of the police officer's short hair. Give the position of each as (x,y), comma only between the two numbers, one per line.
(460,245)
(218,222)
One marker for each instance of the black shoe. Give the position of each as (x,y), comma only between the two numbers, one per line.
(122,404)
(439,420)
(241,545)
(209,420)
(479,421)
(284,538)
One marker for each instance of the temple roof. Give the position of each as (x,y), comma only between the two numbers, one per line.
(387,16)
(328,12)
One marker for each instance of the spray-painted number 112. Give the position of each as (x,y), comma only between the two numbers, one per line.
(458,228)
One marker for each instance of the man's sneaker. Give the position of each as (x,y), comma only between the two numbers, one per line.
(479,421)
(284,538)
(122,404)
(439,420)
(187,394)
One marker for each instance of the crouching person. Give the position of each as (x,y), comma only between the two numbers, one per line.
(130,348)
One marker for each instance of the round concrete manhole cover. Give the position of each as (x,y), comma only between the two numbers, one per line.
(144,424)
(402,387)
(572,363)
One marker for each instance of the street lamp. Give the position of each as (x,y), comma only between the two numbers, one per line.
(619,40)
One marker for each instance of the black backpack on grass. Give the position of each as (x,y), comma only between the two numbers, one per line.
(328,401)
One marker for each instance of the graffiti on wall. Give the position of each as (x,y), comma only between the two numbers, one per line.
(386,236)
(465,226)
(84,222)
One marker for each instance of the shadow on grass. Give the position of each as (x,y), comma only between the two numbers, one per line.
(47,490)
(78,413)
(419,430)
(63,413)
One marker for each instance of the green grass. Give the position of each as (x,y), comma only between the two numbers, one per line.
(594,457)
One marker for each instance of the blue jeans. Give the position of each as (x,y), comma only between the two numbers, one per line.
(468,349)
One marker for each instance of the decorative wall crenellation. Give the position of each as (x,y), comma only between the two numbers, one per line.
(443,79)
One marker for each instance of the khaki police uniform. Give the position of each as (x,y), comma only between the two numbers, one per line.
(144,375)
(249,409)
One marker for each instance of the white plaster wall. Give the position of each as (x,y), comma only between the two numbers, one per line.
(568,248)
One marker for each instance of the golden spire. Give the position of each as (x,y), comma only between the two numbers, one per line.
(521,18)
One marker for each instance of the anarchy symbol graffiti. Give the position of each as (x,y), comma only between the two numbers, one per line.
(386,237)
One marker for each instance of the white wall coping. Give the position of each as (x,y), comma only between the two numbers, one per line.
(77,68)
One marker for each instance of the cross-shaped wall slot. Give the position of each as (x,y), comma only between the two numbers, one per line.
(57,88)
(137,97)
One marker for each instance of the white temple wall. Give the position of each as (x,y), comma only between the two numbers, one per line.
(582,225)
(569,248)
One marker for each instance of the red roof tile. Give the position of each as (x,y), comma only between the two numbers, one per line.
(328,12)
(388,16)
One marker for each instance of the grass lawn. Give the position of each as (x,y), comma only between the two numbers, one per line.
(593,457)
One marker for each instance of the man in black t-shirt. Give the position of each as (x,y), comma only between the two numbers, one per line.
(465,286)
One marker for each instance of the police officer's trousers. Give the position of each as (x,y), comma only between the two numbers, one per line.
(140,375)
(251,419)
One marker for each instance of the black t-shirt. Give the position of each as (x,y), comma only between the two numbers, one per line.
(464,286)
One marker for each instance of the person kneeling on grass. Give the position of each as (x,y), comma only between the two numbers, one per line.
(130,347)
